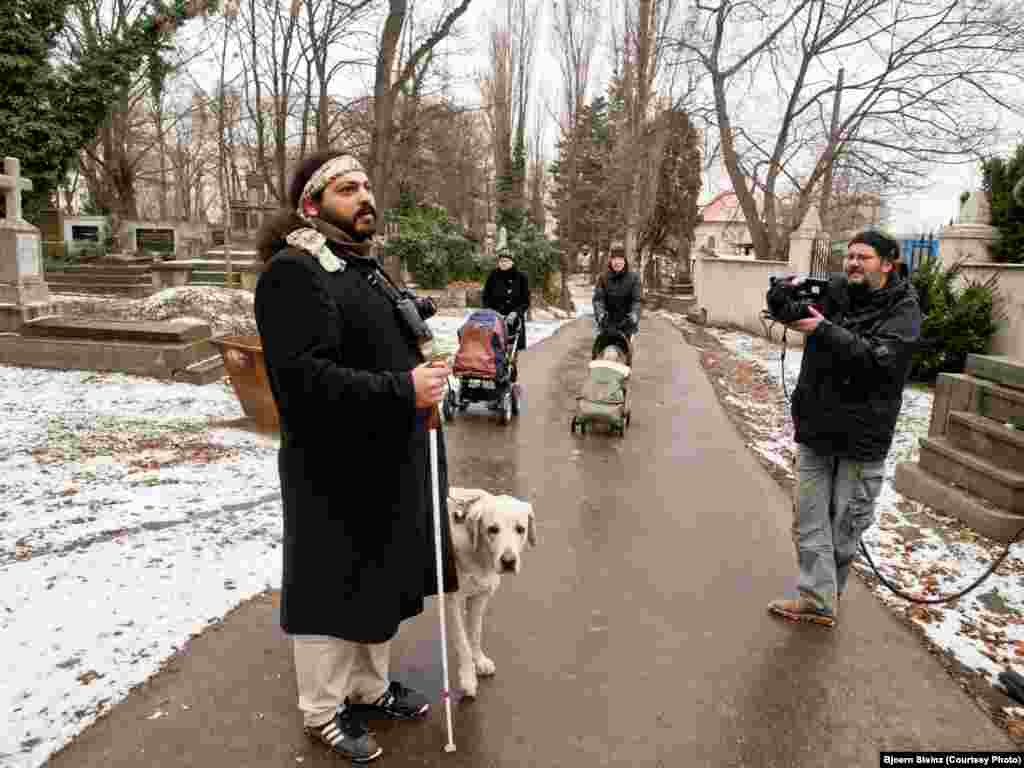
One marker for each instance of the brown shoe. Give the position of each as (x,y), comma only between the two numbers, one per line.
(799,609)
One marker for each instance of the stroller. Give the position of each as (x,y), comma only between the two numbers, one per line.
(485,365)
(605,396)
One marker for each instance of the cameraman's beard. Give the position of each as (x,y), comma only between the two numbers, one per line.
(348,225)
(864,282)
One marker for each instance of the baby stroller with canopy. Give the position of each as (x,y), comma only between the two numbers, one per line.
(485,365)
(605,395)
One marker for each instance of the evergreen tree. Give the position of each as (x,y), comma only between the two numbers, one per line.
(49,111)
(999,178)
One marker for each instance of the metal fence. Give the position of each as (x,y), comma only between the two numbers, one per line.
(914,252)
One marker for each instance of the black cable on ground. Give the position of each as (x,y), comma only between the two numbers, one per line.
(949,598)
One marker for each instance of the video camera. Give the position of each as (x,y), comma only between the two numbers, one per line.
(796,300)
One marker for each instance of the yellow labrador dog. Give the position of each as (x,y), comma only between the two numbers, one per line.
(489,534)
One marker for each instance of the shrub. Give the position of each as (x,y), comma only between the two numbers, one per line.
(998,180)
(536,256)
(433,248)
(958,320)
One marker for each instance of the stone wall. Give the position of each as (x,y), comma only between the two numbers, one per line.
(731,291)
(1009,339)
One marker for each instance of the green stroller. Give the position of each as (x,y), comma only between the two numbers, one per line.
(605,395)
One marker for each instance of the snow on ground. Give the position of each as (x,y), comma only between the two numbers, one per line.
(921,551)
(132,516)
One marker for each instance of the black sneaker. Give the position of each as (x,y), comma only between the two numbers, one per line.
(347,735)
(400,703)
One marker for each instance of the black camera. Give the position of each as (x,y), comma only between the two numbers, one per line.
(411,312)
(789,302)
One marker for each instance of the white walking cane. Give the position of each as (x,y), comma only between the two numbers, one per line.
(433,422)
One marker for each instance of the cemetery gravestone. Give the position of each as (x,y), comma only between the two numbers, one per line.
(157,241)
(23,291)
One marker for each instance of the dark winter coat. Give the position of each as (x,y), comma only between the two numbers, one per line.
(508,290)
(617,295)
(854,368)
(354,459)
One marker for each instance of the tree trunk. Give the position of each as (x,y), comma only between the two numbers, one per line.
(385,89)
(825,206)
(383,127)
(158,115)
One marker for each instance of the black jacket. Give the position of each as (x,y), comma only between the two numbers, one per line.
(358,541)
(508,291)
(617,295)
(854,368)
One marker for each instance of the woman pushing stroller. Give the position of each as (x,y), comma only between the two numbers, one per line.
(507,292)
(617,298)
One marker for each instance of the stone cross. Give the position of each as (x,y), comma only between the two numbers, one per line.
(13,185)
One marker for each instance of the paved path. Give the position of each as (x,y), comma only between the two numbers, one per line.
(636,635)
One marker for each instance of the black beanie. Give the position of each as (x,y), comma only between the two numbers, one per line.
(886,248)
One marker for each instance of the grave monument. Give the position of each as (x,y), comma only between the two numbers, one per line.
(37,336)
(23,291)
(969,238)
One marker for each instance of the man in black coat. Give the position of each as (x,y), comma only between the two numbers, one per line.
(855,364)
(352,389)
(507,291)
(617,297)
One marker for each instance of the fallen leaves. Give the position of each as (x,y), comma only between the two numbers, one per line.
(1016,729)
(87,677)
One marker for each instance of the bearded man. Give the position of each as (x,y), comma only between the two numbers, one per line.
(856,361)
(352,389)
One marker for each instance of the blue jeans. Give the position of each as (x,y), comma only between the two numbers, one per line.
(833,504)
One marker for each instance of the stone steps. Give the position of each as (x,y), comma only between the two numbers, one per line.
(979,513)
(971,464)
(136,291)
(941,457)
(986,438)
(1004,371)
(102,269)
(119,279)
(90,278)
(213,277)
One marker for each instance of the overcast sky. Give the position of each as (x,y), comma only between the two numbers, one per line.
(928,209)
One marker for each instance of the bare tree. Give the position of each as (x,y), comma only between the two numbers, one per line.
(328,24)
(388,82)
(575,27)
(537,175)
(506,94)
(273,58)
(922,78)
(641,56)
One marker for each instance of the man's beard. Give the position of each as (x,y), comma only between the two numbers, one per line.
(868,281)
(348,225)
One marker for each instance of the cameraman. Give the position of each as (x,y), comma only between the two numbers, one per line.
(855,362)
